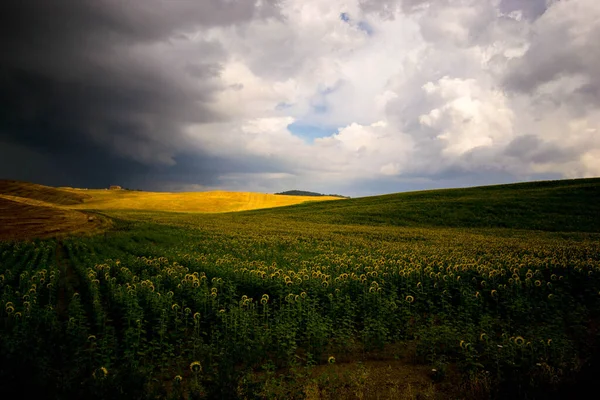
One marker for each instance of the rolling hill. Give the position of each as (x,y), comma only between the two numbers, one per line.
(43,193)
(28,210)
(563,205)
(101,199)
(20,220)
(202,202)
(559,206)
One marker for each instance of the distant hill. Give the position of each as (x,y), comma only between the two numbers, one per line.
(307,193)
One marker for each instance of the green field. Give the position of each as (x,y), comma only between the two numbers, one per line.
(476,293)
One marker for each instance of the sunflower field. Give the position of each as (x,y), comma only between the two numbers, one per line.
(197,306)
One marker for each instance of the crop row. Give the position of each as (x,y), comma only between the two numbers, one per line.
(103,314)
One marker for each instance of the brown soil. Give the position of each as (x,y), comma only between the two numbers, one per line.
(392,373)
(25,221)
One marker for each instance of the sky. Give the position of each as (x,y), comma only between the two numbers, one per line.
(355,97)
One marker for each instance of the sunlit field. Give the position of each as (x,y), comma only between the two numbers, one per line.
(314,301)
(210,202)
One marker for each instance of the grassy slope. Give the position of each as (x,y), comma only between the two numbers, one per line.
(566,205)
(41,193)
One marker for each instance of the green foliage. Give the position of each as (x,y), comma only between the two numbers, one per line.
(559,206)
(194,306)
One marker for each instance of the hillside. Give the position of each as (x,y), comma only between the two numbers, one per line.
(564,205)
(28,210)
(203,202)
(41,193)
(22,221)
(100,199)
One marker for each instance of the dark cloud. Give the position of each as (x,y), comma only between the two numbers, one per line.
(95,85)
(563,45)
(204,170)
(88,167)
(589,94)
(85,167)
(133,21)
(523,145)
(451,177)
(385,8)
(530,9)
(389,7)
(530,148)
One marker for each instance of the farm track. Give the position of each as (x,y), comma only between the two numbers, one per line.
(69,284)
(69,281)
(61,305)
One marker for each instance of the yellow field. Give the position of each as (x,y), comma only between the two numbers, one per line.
(29,210)
(204,202)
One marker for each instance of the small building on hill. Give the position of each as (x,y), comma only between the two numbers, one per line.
(115,187)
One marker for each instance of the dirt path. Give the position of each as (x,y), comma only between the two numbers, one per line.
(68,283)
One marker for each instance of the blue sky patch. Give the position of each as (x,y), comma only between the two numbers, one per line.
(365,27)
(310,132)
(360,25)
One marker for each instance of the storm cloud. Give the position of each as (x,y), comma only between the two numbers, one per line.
(200,95)
(86,83)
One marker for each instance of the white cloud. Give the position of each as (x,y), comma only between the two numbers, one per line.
(470,116)
(429,88)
